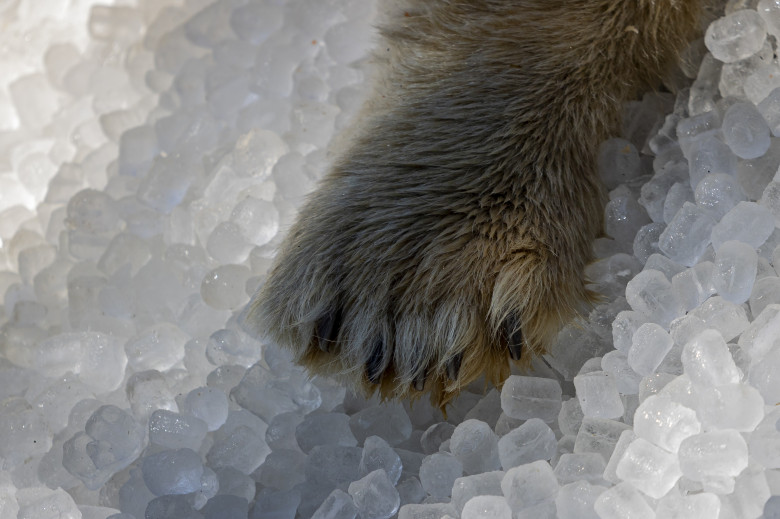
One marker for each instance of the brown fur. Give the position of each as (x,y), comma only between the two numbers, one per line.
(464,207)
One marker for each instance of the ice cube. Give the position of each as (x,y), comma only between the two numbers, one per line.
(650,293)
(439,472)
(174,430)
(735,271)
(173,472)
(747,222)
(584,466)
(664,422)
(649,468)
(531,397)
(691,506)
(208,404)
(622,501)
(338,505)
(686,237)
(575,500)
(650,345)
(529,485)
(733,406)
(388,420)
(476,446)
(709,155)
(532,441)
(718,193)
(324,429)
(736,36)
(570,417)
(598,435)
(377,454)
(713,455)
(626,379)
(375,496)
(745,131)
(598,395)
(465,488)
(728,318)
(486,507)
(708,362)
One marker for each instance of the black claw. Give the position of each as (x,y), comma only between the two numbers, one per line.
(453,366)
(514,336)
(327,330)
(374,364)
(419,381)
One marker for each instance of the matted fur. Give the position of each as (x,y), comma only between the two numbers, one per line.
(466,200)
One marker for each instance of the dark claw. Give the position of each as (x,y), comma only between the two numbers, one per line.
(374,364)
(453,366)
(327,330)
(514,336)
(419,381)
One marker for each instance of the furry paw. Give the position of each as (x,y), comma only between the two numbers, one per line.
(451,235)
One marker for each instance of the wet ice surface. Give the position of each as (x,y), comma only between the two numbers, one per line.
(151,157)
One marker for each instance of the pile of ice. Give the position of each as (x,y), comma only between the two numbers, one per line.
(147,175)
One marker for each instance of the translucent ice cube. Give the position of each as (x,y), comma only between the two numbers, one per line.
(377,454)
(575,500)
(736,36)
(598,395)
(532,441)
(375,496)
(439,472)
(745,131)
(650,345)
(476,446)
(686,237)
(712,455)
(718,193)
(649,468)
(735,271)
(747,222)
(531,397)
(529,485)
(173,472)
(621,501)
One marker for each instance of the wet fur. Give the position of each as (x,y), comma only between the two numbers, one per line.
(453,229)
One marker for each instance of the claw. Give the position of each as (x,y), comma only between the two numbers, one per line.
(327,330)
(514,336)
(374,364)
(419,381)
(453,366)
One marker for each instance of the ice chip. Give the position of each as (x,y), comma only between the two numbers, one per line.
(377,454)
(664,422)
(747,222)
(531,397)
(736,36)
(712,455)
(708,362)
(173,472)
(476,446)
(375,496)
(439,472)
(686,237)
(598,395)
(650,293)
(486,507)
(622,501)
(529,485)
(532,441)
(745,131)
(650,345)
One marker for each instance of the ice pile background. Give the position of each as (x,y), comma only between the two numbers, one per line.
(152,153)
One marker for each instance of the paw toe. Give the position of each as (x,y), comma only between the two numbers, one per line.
(513,334)
(326,330)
